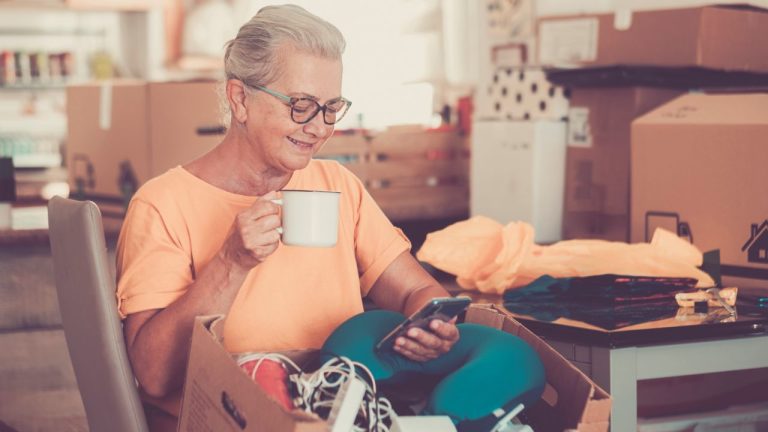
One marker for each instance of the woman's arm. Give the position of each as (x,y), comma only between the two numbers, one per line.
(158,340)
(405,287)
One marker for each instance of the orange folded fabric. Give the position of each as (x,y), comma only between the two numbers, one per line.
(490,257)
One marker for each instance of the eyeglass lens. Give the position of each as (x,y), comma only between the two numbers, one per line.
(303,110)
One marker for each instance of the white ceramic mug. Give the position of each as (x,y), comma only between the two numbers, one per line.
(310,218)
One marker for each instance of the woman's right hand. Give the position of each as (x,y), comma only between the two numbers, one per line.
(253,235)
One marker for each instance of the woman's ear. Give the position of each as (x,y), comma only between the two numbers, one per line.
(236,96)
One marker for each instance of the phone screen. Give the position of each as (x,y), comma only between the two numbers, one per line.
(442,308)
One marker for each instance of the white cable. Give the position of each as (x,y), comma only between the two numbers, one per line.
(261,356)
(317,391)
(504,421)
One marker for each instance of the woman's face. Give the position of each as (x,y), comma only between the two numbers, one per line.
(281,143)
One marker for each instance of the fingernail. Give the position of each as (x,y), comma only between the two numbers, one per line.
(413,332)
(400,342)
(436,324)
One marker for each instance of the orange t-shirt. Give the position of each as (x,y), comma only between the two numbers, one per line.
(176,223)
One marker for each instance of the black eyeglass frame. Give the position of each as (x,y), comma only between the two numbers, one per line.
(291,101)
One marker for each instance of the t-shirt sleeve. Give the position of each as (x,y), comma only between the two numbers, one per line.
(153,269)
(378,242)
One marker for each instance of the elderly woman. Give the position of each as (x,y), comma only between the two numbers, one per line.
(202,238)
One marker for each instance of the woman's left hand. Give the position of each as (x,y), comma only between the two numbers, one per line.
(423,345)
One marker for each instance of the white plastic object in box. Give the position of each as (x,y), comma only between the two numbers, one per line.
(422,424)
(346,405)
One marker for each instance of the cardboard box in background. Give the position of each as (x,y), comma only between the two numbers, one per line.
(415,173)
(623,7)
(518,172)
(597,158)
(219,396)
(699,168)
(122,133)
(185,121)
(712,37)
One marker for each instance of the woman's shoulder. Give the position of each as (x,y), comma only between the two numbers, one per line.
(167,184)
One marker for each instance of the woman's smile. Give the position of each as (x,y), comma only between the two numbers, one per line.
(302,145)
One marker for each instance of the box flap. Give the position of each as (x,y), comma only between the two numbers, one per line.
(219,395)
(711,109)
(484,314)
(577,400)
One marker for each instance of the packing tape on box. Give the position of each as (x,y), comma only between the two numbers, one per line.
(105,105)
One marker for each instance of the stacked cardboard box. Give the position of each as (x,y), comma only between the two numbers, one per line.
(710,37)
(698,167)
(122,133)
(665,45)
(597,159)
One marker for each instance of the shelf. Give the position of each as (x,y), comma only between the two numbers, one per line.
(51,32)
(29,218)
(41,175)
(40,160)
(33,4)
(114,5)
(32,87)
(52,126)
(84,5)
(31,183)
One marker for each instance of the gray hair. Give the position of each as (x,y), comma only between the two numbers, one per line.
(252,55)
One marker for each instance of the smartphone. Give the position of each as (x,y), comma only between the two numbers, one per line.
(442,308)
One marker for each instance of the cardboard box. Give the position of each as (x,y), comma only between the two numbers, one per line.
(698,168)
(571,400)
(623,9)
(219,396)
(710,37)
(122,133)
(597,158)
(518,174)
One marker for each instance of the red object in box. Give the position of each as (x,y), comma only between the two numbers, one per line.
(272,376)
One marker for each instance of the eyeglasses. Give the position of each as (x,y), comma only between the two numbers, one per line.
(303,110)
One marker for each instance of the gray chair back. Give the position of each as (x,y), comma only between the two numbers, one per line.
(86,291)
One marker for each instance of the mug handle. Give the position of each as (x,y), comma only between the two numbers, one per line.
(279,202)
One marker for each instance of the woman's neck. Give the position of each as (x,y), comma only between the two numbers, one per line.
(229,166)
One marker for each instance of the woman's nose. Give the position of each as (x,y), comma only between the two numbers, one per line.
(317,126)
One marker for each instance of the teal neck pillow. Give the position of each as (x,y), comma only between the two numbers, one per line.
(486,370)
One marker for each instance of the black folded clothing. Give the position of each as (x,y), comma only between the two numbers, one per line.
(608,301)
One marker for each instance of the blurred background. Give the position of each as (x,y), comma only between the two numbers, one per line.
(598,119)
